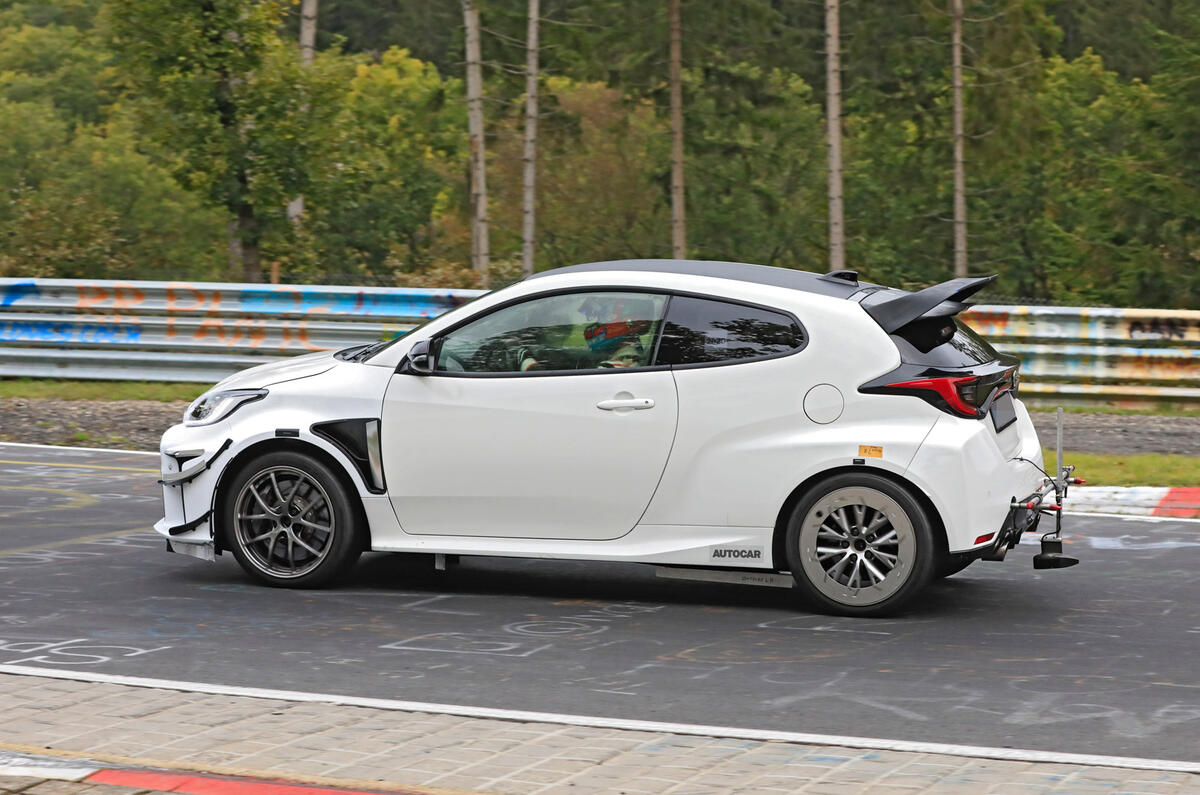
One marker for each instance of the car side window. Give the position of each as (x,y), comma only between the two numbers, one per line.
(699,330)
(558,333)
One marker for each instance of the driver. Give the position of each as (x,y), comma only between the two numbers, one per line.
(619,342)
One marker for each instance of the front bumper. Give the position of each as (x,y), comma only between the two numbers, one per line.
(190,464)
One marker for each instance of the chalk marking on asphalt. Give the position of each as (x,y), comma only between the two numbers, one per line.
(79,466)
(72,541)
(76,500)
(526,716)
(70,447)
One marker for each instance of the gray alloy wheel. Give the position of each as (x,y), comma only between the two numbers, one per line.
(860,545)
(290,522)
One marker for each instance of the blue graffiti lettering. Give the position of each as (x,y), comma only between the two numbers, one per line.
(16,291)
(402,302)
(47,331)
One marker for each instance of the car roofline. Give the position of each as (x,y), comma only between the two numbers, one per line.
(842,285)
(890,307)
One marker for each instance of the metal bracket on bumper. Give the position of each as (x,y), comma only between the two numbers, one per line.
(191,473)
(1051,556)
(188,527)
(1026,513)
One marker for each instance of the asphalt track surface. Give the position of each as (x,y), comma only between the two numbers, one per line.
(1097,659)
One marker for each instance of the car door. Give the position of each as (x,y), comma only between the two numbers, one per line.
(541,419)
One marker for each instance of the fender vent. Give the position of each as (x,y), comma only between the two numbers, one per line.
(356,438)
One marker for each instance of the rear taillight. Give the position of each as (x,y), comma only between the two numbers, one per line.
(961,395)
(956,395)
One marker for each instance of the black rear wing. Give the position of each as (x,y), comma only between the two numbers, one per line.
(894,310)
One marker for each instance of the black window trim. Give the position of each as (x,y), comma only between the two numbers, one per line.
(436,340)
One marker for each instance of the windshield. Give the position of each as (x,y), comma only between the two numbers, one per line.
(357,355)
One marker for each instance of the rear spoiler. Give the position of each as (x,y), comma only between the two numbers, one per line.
(939,300)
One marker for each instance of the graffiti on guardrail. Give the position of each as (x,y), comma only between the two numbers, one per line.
(16,291)
(1168,328)
(1077,323)
(248,318)
(201,331)
(196,298)
(97,333)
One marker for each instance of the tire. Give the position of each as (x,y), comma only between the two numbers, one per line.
(878,549)
(951,565)
(290,521)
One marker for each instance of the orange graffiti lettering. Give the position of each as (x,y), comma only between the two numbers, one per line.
(247,330)
(126,296)
(179,292)
(210,326)
(297,336)
(90,296)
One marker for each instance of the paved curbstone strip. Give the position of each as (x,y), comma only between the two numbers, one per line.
(371,749)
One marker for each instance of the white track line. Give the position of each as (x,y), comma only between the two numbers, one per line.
(1131,517)
(765,735)
(70,447)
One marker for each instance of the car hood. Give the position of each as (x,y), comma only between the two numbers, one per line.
(276,372)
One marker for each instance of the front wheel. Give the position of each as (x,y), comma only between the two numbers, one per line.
(290,521)
(859,545)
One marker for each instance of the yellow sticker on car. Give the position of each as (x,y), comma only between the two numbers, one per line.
(870,451)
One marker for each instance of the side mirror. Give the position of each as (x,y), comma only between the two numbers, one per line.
(420,359)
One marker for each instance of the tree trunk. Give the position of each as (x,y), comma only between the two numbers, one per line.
(308,41)
(678,215)
(833,115)
(308,30)
(479,215)
(247,228)
(530,157)
(960,180)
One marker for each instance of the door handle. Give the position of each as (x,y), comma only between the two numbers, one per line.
(635,404)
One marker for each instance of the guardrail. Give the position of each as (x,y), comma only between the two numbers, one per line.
(201,332)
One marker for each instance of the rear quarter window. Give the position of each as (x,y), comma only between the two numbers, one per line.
(700,331)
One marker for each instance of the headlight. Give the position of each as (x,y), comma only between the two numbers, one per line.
(216,406)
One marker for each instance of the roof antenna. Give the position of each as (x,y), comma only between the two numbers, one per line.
(844,275)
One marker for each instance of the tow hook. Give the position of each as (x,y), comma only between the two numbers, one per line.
(1051,556)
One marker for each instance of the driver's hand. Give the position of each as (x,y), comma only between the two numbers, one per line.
(527,361)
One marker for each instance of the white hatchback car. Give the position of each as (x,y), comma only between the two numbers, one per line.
(723,421)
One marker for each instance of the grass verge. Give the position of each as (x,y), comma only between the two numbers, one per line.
(1161,410)
(1132,470)
(98,390)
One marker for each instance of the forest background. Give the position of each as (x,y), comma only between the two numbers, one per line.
(137,144)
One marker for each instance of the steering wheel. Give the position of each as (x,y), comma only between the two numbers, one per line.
(493,357)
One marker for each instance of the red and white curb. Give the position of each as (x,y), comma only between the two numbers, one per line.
(1162,501)
(59,769)
(52,767)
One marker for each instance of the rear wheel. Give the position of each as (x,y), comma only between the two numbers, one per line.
(860,545)
(290,521)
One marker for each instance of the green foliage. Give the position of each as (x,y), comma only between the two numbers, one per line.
(758,190)
(139,138)
(598,197)
(399,144)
